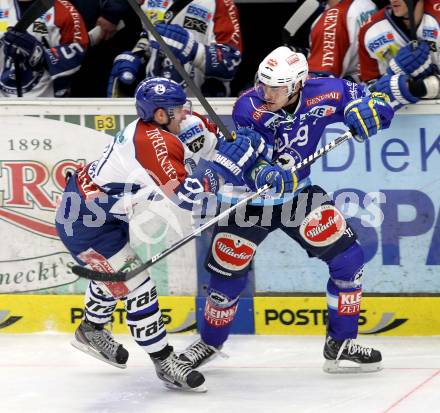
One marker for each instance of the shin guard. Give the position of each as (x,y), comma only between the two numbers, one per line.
(344,292)
(144,317)
(220,308)
(99,304)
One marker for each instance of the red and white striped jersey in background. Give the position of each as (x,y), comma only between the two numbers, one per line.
(334,38)
(62,31)
(381,39)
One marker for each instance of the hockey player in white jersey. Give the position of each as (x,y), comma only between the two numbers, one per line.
(146,162)
(203,34)
(394,63)
(334,38)
(40,62)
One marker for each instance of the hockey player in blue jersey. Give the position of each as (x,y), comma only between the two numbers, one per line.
(291,113)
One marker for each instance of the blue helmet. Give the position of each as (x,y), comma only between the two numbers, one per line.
(158,92)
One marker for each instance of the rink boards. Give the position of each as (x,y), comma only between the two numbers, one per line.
(391,316)
(390,189)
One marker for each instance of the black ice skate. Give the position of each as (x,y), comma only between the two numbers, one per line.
(199,353)
(359,359)
(179,375)
(99,343)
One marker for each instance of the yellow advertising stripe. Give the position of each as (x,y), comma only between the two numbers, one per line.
(63,313)
(392,316)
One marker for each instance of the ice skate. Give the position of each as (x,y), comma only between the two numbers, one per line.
(199,353)
(179,375)
(99,343)
(354,357)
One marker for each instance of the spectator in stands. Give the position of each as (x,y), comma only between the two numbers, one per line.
(204,35)
(41,61)
(402,68)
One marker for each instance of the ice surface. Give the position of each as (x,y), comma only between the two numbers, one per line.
(270,374)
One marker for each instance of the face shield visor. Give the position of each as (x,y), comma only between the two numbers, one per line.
(272,94)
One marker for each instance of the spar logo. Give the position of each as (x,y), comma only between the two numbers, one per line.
(232,252)
(323,226)
(30,192)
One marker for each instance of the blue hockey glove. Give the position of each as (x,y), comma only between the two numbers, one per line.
(23,47)
(125,69)
(368,115)
(178,39)
(257,141)
(396,87)
(234,158)
(282,181)
(221,61)
(413,60)
(194,191)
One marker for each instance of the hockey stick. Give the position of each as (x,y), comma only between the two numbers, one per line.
(147,25)
(301,15)
(125,276)
(142,44)
(412,21)
(34,11)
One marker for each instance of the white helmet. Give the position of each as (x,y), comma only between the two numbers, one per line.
(283,67)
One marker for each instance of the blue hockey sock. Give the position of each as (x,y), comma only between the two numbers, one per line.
(220,308)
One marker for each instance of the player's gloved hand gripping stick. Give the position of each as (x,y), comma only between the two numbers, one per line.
(34,11)
(125,276)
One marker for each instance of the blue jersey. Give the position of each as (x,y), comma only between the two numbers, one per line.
(321,102)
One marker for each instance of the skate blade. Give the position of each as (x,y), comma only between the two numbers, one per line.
(201,389)
(334,367)
(91,352)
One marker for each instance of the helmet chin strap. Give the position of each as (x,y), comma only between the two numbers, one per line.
(294,93)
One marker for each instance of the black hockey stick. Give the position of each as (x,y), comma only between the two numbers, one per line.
(125,276)
(173,11)
(34,11)
(147,25)
(412,21)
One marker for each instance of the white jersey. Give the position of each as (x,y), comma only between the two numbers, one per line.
(145,162)
(61,30)
(209,21)
(381,39)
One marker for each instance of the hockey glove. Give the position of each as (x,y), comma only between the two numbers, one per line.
(368,115)
(23,47)
(198,187)
(125,69)
(220,61)
(281,181)
(396,87)
(234,158)
(256,140)
(178,39)
(413,60)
